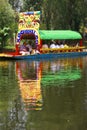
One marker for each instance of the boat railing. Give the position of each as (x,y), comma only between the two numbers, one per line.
(56,50)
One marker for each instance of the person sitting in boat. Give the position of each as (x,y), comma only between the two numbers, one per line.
(57,44)
(35,51)
(53,44)
(61,45)
(45,46)
(23,49)
(66,46)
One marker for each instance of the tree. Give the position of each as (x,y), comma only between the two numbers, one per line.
(75,13)
(4,34)
(16,4)
(7,21)
(64,14)
(34,5)
(6,14)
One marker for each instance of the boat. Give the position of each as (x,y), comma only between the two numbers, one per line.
(42,56)
(28,28)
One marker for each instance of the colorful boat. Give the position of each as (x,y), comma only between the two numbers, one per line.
(29,29)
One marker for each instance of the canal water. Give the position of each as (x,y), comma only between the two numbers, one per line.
(43,95)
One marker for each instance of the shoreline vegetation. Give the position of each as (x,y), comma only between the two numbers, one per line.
(9,48)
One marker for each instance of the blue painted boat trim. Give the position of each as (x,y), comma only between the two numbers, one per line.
(46,56)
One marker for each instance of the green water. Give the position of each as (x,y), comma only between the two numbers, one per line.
(43,95)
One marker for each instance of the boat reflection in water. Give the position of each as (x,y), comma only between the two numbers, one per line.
(29,76)
(35,75)
(61,72)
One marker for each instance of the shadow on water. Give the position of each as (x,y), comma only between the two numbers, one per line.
(43,95)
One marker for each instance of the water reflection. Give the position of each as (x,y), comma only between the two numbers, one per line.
(35,75)
(61,72)
(42,95)
(29,75)
(8,95)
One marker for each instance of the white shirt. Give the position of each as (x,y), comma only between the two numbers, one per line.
(52,45)
(57,46)
(61,46)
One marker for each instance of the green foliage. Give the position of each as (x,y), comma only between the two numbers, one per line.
(8,24)
(64,14)
(6,14)
(32,5)
(4,34)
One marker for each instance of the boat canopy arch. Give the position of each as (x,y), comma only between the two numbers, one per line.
(28,34)
(59,35)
